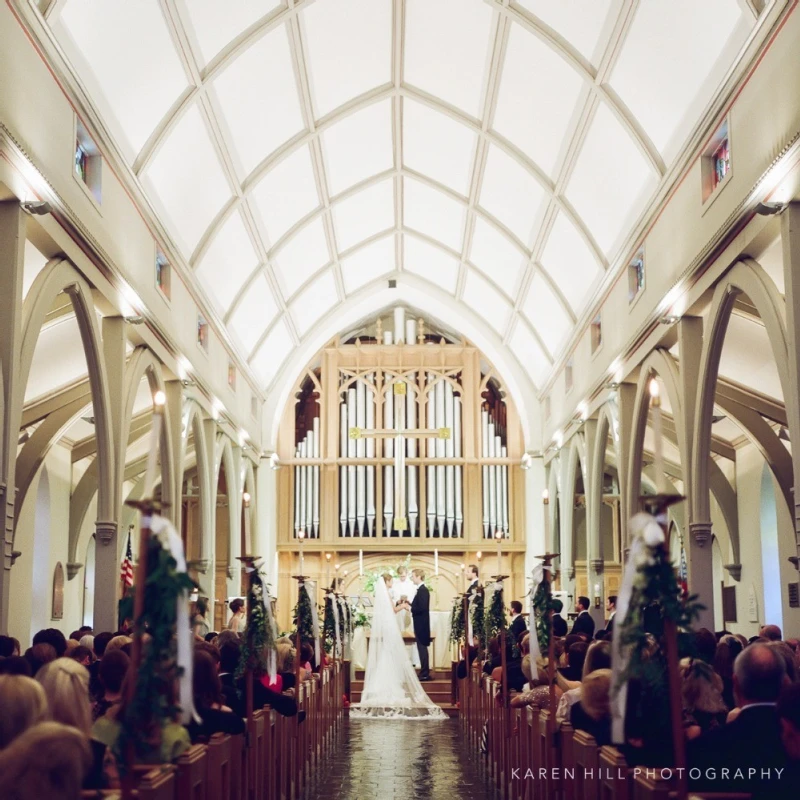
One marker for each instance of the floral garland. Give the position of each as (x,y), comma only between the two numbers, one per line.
(360,619)
(304,621)
(154,702)
(542,606)
(344,626)
(457,620)
(494,618)
(259,637)
(477,619)
(328,625)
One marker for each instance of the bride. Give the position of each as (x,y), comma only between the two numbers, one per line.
(391,687)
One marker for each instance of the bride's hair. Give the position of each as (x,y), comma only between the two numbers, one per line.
(419,573)
(387,577)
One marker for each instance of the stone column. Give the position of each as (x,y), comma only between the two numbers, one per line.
(790,235)
(701,576)
(107,587)
(12,259)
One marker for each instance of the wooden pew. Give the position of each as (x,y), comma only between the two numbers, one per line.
(191,780)
(585,751)
(615,776)
(222,769)
(255,765)
(566,739)
(156,782)
(240,787)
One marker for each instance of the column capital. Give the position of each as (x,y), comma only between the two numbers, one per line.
(72,569)
(701,533)
(598,565)
(105,530)
(200,564)
(734,570)
(571,574)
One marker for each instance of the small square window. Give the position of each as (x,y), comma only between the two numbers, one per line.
(253,406)
(568,377)
(716,161)
(597,333)
(232,376)
(87,162)
(202,332)
(636,275)
(163,275)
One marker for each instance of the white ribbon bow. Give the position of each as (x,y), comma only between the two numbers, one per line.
(170,540)
(537,576)
(337,648)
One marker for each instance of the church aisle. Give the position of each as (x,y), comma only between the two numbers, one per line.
(385,759)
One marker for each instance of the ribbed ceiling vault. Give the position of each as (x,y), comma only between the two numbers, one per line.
(301,152)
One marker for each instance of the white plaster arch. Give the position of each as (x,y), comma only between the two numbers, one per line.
(193,422)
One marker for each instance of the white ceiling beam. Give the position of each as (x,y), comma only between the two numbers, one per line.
(398,61)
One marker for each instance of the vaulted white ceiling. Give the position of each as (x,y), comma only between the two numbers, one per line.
(300,152)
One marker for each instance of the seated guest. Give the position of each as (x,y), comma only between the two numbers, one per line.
(592,713)
(285,660)
(238,620)
(728,648)
(113,669)
(494,659)
(49,760)
(118,643)
(461,670)
(87,640)
(234,690)
(66,685)
(787,654)
(15,665)
(559,623)
(772,633)
(517,625)
(753,739)
(39,655)
(23,704)
(54,637)
(569,677)
(703,706)
(598,656)
(583,622)
(8,647)
(539,696)
(81,654)
(216,717)
(516,677)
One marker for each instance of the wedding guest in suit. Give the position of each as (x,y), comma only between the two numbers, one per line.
(215,716)
(611,608)
(753,739)
(472,578)
(559,623)
(517,620)
(583,623)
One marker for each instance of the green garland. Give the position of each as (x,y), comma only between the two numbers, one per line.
(656,599)
(457,620)
(303,620)
(328,626)
(494,618)
(259,638)
(477,620)
(542,606)
(342,623)
(154,702)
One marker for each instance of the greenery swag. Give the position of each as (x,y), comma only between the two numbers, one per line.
(476,618)
(303,620)
(259,637)
(154,702)
(457,620)
(542,606)
(494,618)
(328,625)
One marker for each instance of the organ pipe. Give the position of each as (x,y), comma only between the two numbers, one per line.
(361,470)
(388,470)
(449,482)
(411,452)
(343,443)
(457,454)
(430,409)
(370,424)
(351,470)
(441,501)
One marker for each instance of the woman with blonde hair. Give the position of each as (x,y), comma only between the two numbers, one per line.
(49,760)
(66,686)
(24,704)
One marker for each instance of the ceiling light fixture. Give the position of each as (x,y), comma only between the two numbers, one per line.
(134,320)
(274,461)
(38,208)
(769,209)
(526,462)
(669,319)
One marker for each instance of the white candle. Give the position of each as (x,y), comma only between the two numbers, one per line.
(247,541)
(360,562)
(463,577)
(155,440)
(435,562)
(301,534)
(597,590)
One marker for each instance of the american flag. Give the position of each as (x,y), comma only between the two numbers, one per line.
(126,569)
(683,572)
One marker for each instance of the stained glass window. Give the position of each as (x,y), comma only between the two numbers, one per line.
(636,276)
(722,162)
(202,332)
(81,162)
(163,275)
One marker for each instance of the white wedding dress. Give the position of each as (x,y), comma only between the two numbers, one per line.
(391,686)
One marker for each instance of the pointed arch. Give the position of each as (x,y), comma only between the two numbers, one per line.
(607,422)
(193,421)
(749,278)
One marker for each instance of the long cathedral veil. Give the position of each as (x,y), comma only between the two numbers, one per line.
(391,686)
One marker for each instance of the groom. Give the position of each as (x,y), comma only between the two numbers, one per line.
(420,614)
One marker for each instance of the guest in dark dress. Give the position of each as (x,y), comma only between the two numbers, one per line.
(208,702)
(592,713)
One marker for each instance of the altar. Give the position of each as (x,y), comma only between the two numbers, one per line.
(441,655)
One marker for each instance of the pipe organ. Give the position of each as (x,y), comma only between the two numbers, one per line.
(400,434)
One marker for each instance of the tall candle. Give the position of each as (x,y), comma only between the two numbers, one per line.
(360,562)
(463,578)
(499,536)
(155,440)
(435,562)
(301,535)
(247,541)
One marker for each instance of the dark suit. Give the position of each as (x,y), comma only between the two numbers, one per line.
(421,615)
(517,627)
(752,740)
(584,624)
(610,623)
(235,697)
(559,625)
